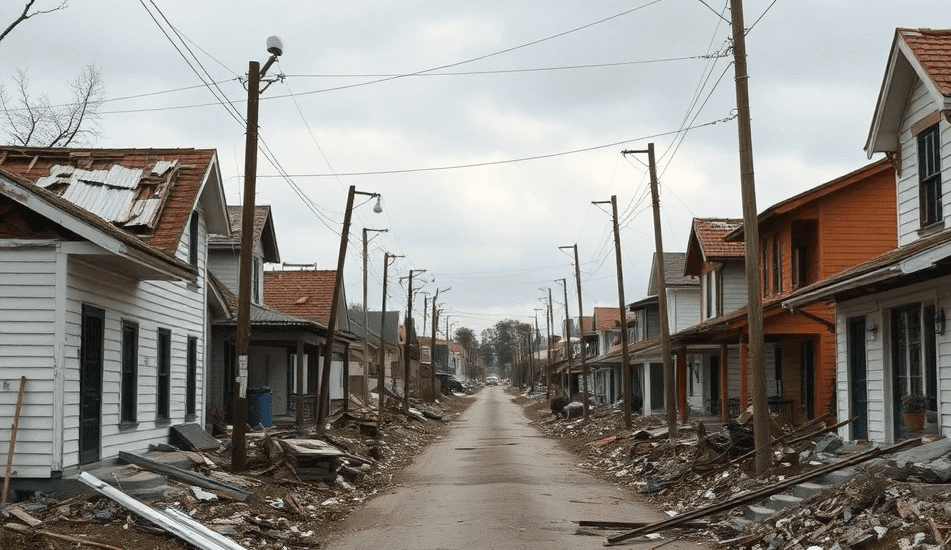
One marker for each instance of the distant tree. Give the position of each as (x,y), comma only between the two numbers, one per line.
(26,15)
(466,338)
(33,120)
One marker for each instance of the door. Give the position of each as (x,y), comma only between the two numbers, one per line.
(907,375)
(808,380)
(90,383)
(858,377)
(714,384)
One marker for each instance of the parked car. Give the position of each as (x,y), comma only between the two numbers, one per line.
(491,380)
(452,383)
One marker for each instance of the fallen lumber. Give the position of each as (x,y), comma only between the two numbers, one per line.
(13,442)
(753,496)
(24,530)
(597,524)
(192,478)
(23,516)
(798,431)
(193,533)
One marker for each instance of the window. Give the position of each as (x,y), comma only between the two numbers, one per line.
(130,368)
(255,281)
(929,176)
(777,263)
(802,240)
(709,282)
(193,240)
(764,247)
(191,377)
(164,364)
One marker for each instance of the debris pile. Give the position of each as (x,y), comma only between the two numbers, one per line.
(821,492)
(297,483)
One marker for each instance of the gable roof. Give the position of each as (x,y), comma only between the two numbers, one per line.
(673,272)
(607,318)
(303,293)
(818,192)
(390,327)
(916,54)
(707,243)
(147,193)
(264,232)
(120,250)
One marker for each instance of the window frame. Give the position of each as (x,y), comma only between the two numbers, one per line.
(777,264)
(163,375)
(129,373)
(191,379)
(929,176)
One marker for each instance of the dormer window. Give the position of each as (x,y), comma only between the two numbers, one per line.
(929,176)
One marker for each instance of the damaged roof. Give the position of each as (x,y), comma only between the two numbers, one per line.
(264,232)
(148,193)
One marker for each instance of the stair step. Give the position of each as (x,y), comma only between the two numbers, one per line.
(783,501)
(757,513)
(837,477)
(808,489)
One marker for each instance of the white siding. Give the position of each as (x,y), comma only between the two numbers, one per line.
(224,265)
(734,286)
(875,309)
(683,308)
(920,104)
(179,307)
(27,321)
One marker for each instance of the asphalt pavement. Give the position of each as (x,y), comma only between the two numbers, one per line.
(493,483)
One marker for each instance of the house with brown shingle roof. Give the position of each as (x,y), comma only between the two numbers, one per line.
(891,310)
(104,298)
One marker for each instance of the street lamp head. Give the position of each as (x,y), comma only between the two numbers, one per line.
(378,207)
(275,46)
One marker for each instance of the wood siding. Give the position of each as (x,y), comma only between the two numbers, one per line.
(920,104)
(27,325)
(734,286)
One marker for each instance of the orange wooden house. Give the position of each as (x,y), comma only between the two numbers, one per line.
(805,239)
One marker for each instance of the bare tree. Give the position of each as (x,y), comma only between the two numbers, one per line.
(35,121)
(26,15)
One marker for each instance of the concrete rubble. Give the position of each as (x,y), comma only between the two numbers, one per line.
(898,500)
(296,485)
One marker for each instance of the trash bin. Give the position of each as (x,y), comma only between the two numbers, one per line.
(259,407)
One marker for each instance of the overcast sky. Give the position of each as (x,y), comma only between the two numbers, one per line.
(513,81)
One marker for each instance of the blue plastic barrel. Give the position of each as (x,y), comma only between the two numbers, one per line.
(259,407)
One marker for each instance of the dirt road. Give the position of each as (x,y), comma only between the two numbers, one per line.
(494,483)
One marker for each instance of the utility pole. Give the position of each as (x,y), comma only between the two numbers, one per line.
(626,389)
(538,333)
(754,308)
(243,327)
(584,365)
(380,375)
(432,345)
(670,389)
(548,323)
(366,321)
(323,404)
(409,329)
(564,286)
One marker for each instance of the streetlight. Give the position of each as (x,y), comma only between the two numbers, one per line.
(323,405)
(409,323)
(243,328)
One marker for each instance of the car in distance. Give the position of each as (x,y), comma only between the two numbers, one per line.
(491,380)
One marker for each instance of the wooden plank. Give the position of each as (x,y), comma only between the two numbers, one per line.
(197,537)
(23,530)
(26,518)
(186,476)
(753,496)
(13,442)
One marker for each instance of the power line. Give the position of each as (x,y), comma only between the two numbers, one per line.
(507,161)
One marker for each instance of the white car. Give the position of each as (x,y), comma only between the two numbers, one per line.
(491,380)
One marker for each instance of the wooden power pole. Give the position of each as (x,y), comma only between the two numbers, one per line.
(626,389)
(584,365)
(754,308)
(670,388)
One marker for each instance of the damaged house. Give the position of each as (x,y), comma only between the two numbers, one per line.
(891,311)
(104,299)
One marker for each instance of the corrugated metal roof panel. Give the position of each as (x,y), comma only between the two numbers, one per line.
(163,166)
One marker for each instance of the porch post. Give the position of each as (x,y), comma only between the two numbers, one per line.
(744,374)
(724,384)
(300,382)
(682,384)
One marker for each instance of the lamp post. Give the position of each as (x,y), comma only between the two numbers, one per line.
(323,405)
(366,320)
(243,329)
(409,326)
